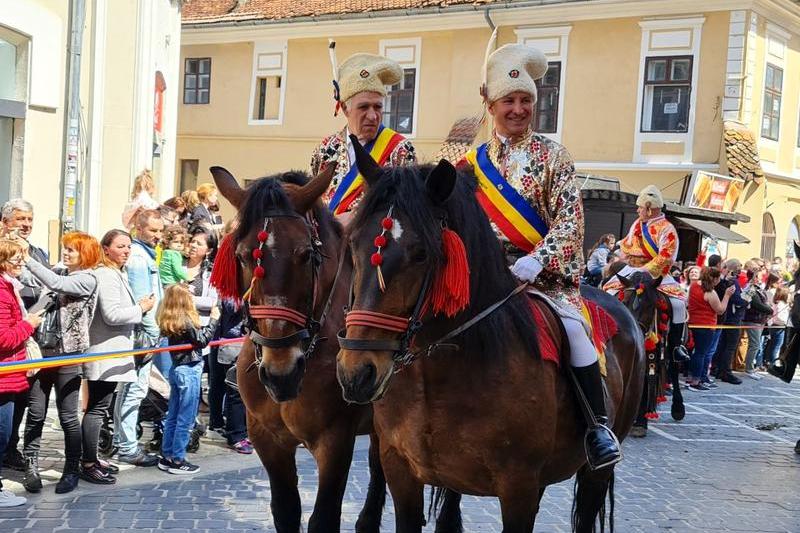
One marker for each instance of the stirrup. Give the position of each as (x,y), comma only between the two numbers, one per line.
(230,378)
(612,461)
(680,354)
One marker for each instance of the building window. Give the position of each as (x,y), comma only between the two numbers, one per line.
(545,119)
(268,91)
(771,118)
(767,236)
(197,80)
(189,173)
(791,237)
(667,89)
(398,112)
(268,98)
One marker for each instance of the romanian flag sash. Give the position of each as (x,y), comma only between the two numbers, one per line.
(649,246)
(511,213)
(352,183)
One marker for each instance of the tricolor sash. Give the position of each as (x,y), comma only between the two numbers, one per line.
(649,246)
(511,213)
(380,148)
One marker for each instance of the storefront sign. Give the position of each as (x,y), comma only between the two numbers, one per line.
(714,192)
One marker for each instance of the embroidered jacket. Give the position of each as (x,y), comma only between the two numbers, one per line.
(636,253)
(336,148)
(542,172)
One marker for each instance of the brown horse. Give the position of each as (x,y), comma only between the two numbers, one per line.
(287,368)
(480,412)
(299,259)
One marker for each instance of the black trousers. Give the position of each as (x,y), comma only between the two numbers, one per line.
(67,383)
(20,404)
(224,403)
(101,393)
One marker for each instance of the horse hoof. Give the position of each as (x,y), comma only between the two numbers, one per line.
(678,412)
(638,432)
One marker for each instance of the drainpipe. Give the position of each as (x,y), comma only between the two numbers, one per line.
(72,130)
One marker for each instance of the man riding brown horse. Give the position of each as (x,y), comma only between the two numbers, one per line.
(360,90)
(529,192)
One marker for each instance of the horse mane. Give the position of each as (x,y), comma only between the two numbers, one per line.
(272,193)
(490,278)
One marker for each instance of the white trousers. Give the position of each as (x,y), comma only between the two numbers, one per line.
(582,351)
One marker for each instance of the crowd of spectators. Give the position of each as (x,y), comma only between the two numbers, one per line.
(145,285)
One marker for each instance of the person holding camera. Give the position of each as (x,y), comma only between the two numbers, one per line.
(72,304)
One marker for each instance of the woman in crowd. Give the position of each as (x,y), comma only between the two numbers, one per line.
(199,261)
(76,293)
(755,317)
(15,330)
(208,196)
(177,204)
(598,258)
(704,308)
(190,202)
(111,330)
(690,275)
(779,319)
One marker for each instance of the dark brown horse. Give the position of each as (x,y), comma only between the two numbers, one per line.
(484,415)
(287,368)
(300,258)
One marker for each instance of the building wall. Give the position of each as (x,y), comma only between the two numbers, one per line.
(599,123)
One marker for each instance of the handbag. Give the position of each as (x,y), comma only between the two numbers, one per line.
(228,353)
(48,334)
(32,353)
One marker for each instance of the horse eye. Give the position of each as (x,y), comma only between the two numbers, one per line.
(419,256)
(305,255)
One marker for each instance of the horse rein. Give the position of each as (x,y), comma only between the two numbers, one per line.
(309,328)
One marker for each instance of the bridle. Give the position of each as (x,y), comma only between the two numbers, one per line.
(309,327)
(407,327)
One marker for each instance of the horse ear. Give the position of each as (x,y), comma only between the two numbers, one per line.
(228,186)
(656,282)
(366,165)
(304,198)
(796,249)
(624,280)
(441,182)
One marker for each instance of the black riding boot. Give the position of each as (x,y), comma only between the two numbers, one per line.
(788,360)
(602,446)
(230,378)
(675,345)
(32,481)
(69,478)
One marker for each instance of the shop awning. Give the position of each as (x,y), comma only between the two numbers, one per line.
(714,230)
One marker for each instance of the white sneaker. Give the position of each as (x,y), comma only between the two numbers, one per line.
(752,374)
(9,499)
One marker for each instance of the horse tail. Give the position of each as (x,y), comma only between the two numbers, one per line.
(445,507)
(589,500)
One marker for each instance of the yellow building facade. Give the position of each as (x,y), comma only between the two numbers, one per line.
(641,91)
(125,46)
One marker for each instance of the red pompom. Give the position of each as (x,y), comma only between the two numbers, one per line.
(621,296)
(662,305)
(380,241)
(262,236)
(259,272)
(651,416)
(664,317)
(257,253)
(387,223)
(376,259)
(662,327)
(661,399)
(649,345)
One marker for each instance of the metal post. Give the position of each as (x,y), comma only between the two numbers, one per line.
(72,130)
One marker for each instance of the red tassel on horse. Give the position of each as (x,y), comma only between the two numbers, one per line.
(450,291)
(224,276)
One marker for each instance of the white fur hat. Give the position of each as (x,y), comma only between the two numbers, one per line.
(512,68)
(367,72)
(650,194)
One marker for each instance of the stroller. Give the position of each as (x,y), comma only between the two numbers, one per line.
(152,412)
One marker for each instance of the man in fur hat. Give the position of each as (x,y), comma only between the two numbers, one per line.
(360,93)
(652,246)
(527,187)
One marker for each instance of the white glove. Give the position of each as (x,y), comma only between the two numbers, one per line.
(527,268)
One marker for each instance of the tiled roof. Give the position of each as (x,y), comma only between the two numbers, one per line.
(741,152)
(211,11)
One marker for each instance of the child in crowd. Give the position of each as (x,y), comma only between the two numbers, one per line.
(171,269)
(180,324)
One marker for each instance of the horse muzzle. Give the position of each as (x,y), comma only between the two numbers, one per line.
(362,384)
(283,387)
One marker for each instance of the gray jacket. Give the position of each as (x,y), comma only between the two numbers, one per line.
(112,327)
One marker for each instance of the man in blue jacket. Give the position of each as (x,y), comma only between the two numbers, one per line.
(734,314)
(145,282)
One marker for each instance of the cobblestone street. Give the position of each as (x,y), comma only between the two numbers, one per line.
(729,466)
